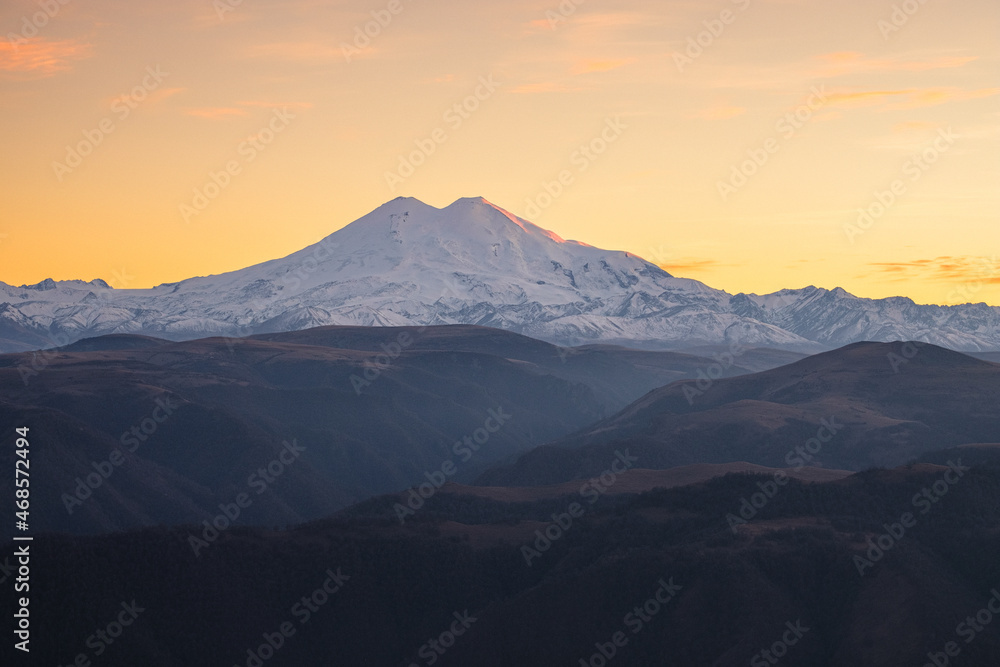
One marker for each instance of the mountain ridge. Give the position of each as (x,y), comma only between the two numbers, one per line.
(374,409)
(862,405)
(472,262)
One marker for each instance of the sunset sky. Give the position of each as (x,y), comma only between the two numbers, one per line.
(116,116)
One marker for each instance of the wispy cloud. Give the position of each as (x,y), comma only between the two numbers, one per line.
(214,113)
(946,268)
(720,113)
(854,62)
(913,98)
(538,25)
(242,108)
(934,96)
(544,87)
(589,22)
(864,97)
(154,97)
(39,58)
(615,20)
(302,51)
(163,93)
(268,104)
(681,266)
(914,126)
(828,67)
(590,66)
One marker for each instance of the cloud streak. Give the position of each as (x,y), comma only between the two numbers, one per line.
(241,109)
(692,265)
(946,268)
(720,113)
(913,98)
(215,113)
(591,66)
(545,87)
(854,62)
(40,58)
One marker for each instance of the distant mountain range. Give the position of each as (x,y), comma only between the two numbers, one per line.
(142,431)
(407,263)
(860,406)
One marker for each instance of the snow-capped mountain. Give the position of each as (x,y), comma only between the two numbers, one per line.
(475,263)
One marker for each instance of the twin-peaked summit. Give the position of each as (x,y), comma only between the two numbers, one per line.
(473,247)
(473,262)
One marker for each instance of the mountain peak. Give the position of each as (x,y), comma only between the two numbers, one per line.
(463,213)
(460,202)
(400,204)
(472,200)
(410,263)
(485,212)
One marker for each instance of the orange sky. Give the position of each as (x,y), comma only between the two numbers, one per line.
(729,141)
